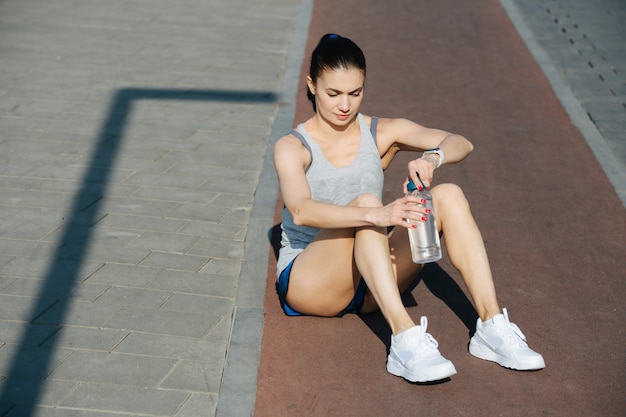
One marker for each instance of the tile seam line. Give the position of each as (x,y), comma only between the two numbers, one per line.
(237,395)
(603,153)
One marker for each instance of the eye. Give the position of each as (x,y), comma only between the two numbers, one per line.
(356,94)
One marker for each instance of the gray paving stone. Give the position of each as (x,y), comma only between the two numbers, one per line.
(21,411)
(124,399)
(5,259)
(109,251)
(174,347)
(12,331)
(125,275)
(22,309)
(166,242)
(133,222)
(175,261)
(199,212)
(70,186)
(195,376)
(175,194)
(23,229)
(199,405)
(222,267)
(166,180)
(88,338)
(198,304)
(238,217)
(38,358)
(77,313)
(36,268)
(128,296)
(114,368)
(239,184)
(195,283)
(220,330)
(31,198)
(174,323)
(26,287)
(233,199)
(218,248)
(135,206)
(51,393)
(215,230)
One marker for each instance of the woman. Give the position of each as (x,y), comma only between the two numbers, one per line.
(336,256)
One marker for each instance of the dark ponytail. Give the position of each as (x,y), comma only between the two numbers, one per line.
(334,52)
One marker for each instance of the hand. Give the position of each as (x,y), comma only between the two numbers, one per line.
(397,212)
(424,167)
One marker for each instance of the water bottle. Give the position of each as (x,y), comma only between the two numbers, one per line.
(424,238)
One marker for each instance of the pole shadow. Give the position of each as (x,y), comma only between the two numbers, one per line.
(31,364)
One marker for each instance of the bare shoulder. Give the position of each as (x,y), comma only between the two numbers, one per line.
(289,149)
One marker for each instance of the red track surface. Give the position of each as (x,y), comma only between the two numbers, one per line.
(554,228)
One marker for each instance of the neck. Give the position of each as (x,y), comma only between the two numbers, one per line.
(332,131)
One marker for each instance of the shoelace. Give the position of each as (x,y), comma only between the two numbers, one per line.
(427,341)
(512,333)
(425,349)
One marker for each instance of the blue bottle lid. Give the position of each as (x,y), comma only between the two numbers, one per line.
(411,185)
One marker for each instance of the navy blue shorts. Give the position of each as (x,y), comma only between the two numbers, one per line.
(282,284)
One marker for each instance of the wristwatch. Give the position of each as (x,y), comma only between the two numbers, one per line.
(435,151)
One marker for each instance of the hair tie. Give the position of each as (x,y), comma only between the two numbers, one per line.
(333,36)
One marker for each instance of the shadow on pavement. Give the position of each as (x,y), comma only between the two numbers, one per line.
(31,364)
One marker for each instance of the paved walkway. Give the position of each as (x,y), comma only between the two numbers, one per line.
(132,140)
(135,192)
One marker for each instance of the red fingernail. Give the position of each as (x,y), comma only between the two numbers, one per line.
(414,226)
(423,201)
(423,219)
(427,210)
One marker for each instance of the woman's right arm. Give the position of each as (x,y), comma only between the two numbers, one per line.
(291,159)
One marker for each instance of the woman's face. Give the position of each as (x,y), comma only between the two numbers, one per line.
(338,94)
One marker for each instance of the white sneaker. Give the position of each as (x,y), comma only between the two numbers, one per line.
(498,340)
(414,356)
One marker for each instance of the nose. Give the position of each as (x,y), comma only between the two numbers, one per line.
(344,104)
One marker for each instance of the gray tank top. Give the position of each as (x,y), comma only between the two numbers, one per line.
(332,185)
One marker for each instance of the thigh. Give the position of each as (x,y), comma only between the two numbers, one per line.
(324,276)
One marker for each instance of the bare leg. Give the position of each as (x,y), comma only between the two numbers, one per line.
(371,250)
(324,276)
(465,247)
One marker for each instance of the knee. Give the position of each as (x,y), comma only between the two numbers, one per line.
(366,200)
(449,196)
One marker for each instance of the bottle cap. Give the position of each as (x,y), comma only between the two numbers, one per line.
(411,185)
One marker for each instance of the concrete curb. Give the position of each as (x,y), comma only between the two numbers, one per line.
(238,388)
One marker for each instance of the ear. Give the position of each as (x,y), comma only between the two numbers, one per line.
(311,84)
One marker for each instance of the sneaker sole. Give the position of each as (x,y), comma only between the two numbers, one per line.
(434,373)
(487,354)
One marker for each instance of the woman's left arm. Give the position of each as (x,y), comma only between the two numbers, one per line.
(404,134)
